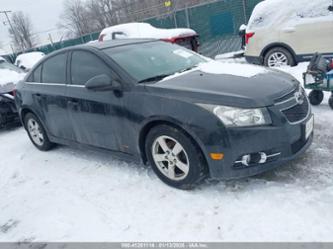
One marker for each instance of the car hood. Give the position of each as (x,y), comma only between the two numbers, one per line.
(258,90)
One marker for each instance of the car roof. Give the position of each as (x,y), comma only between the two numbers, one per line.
(116,43)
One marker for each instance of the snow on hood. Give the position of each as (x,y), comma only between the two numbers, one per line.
(227,68)
(145,31)
(8,79)
(287,13)
(28,60)
(236,69)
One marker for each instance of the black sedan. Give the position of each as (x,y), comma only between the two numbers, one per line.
(160,104)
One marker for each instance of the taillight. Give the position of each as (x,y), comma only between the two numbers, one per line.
(101,38)
(14,92)
(248,36)
(171,40)
(331,65)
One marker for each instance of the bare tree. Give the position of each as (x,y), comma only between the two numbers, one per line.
(76,18)
(103,12)
(81,17)
(21,33)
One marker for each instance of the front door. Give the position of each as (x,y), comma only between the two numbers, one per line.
(96,116)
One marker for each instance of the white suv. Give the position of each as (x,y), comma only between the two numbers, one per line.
(284,32)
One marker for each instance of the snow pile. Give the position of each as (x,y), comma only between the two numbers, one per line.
(277,12)
(28,60)
(230,55)
(144,31)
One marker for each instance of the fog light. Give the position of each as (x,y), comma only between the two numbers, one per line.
(256,158)
(246,159)
(263,157)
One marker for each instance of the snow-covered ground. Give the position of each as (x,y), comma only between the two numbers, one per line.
(81,195)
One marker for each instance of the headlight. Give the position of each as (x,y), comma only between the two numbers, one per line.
(239,117)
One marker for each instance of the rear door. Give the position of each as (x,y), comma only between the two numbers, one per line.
(96,116)
(49,84)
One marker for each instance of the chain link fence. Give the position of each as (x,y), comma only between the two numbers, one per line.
(217,23)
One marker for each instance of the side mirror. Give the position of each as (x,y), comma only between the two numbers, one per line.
(102,83)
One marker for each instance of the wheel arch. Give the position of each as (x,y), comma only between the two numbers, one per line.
(24,111)
(148,125)
(276,45)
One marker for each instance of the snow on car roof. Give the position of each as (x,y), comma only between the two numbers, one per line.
(145,30)
(276,12)
(28,60)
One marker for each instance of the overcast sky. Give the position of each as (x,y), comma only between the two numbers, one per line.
(44,14)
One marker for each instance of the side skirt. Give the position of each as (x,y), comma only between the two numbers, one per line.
(130,158)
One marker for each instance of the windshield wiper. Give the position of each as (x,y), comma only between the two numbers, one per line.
(188,69)
(155,78)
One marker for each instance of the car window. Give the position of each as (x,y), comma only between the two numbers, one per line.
(54,69)
(36,76)
(85,66)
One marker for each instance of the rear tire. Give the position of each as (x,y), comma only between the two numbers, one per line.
(174,157)
(277,57)
(37,133)
(316,97)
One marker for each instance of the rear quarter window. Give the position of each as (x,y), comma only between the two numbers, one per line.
(35,76)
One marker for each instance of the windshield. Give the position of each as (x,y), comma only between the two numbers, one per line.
(153,61)
(6,65)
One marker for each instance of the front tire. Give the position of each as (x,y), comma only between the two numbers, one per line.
(174,157)
(37,133)
(278,57)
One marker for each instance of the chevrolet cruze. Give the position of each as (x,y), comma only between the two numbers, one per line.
(161,104)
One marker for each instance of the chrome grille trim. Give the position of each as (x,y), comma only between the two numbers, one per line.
(283,106)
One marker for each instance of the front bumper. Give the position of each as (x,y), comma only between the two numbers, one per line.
(285,140)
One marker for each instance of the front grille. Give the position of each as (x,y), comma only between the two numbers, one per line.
(297,112)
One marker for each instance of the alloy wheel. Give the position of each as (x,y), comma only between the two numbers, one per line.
(277,59)
(170,158)
(35,132)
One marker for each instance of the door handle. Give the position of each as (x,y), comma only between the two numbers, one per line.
(39,97)
(74,104)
